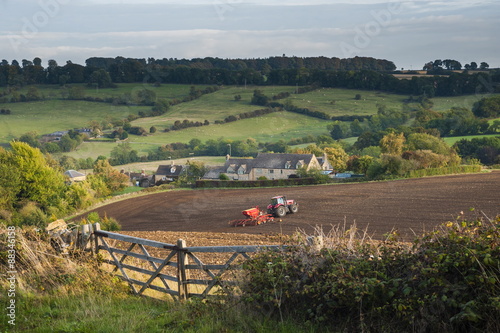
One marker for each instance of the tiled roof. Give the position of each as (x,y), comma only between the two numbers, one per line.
(169,170)
(269,161)
(214,173)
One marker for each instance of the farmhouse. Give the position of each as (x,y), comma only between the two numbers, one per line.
(139,178)
(272,166)
(167,173)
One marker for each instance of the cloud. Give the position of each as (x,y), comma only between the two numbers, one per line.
(245,29)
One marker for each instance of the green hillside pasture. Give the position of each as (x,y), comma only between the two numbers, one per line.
(57,115)
(340,102)
(269,128)
(94,149)
(446,103)
(452,139)
(211,107)
(168,91)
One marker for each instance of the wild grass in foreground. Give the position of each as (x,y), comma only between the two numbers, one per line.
(69,293)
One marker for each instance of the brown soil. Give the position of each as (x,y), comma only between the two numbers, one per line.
(409,206)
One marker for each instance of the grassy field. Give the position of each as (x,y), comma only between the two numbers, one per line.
(339,102)
(49,116)
(55,114)
(214,106)
(451,140)
(269,128)
(446,103)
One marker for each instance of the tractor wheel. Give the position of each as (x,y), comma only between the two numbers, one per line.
(280,211)
(294,208)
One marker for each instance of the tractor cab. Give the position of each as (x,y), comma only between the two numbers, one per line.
(277,201)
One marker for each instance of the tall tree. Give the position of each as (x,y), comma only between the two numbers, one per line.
(36,179)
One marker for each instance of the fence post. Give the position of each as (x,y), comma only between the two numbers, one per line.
(95,247)
(182,274)
(86,233)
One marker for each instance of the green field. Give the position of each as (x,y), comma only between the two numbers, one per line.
(269,128)
(169,91)
(55,114)
(451,140)
(339,102)
(49,116)
(446,103)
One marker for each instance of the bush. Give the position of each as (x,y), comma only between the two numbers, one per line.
(223,176)
(446,281)
(107,223)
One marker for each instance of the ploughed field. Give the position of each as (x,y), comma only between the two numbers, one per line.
(410,206)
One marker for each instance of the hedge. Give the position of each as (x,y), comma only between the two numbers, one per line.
(255,183)
(443,171)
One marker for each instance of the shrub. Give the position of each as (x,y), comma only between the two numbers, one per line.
(446,281)
(223,176)
(107,223)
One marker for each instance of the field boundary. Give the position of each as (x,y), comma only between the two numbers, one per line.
(177,270)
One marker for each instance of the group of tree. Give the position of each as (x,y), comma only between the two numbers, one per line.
(68,142)
(33,188)
(106,72)
(355,73)
(438,66)
(385,118)
(485,150)
(389,153)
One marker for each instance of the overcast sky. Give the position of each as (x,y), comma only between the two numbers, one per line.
(409,33)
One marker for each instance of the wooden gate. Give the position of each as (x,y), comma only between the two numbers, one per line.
(174,269)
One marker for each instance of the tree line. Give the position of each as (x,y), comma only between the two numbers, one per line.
(355,73)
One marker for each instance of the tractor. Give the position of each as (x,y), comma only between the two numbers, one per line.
(280,206)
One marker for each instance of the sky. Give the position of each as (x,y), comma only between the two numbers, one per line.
(409,33)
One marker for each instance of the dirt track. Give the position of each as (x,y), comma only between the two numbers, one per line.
(409,206)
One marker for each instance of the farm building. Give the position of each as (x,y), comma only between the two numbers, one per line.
(167,173)
(272,166)
(139,178)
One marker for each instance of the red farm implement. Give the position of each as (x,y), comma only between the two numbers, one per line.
(254,217)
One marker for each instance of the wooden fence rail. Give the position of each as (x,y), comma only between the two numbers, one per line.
(175,269)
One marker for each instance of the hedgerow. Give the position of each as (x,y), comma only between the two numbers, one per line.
(446,281)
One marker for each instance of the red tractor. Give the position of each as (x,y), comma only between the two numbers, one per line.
(280,206)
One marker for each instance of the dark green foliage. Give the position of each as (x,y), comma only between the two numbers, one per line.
(487,150)
(123,154)
(488,107)
(448,281)
(259,98)
(456,122)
